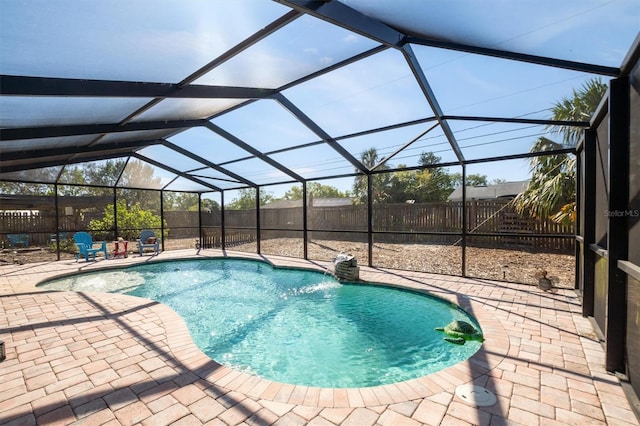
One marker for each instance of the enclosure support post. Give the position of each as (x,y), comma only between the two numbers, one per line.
(55,191)
(258,220)
(587,223)
(577,258)
(305,229)
(464,220)
(222,225)
(370,219)
(115,213)
(162,218)
(618,234)
(199,220)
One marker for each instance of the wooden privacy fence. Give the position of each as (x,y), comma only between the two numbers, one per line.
(38,225)
(394,222)
(212,238)
(490,216)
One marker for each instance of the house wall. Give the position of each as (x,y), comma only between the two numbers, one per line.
(610,226)
(632,268)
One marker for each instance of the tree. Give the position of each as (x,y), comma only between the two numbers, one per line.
(474,179)
(431,184)
(247,199)
(46,175)
(552,189)
(95,173)
(410,185)
(131,219)
(179,201)
(138,174)
(440,185)
(317,189)
(209,205)
(22,188)
(381,184)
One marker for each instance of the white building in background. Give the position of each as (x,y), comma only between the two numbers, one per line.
(505,190)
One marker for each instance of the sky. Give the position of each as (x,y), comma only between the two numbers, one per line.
(167,41)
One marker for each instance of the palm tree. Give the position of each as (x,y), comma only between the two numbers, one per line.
(552,189)
(381,182)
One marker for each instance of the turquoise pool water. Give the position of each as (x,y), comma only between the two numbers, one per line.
(294,326)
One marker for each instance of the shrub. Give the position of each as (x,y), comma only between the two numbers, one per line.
(131,219)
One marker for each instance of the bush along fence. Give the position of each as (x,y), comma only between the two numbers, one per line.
(393,223)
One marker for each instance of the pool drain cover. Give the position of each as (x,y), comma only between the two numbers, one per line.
(476,395)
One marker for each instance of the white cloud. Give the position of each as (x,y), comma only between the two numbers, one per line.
(350,38)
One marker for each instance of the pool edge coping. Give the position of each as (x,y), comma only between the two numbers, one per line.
(491,353)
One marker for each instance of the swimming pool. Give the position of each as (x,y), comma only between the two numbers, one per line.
(294,326)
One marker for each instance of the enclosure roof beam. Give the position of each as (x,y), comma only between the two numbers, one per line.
(333,67)
(74,150)
(522,57)
(517,120)
(91,129)
(632,57)
(337,138)
(175,171)
(301,80)
(56,160)
(480,160)
(42,86)
(242,46)
(311,125)
(187,153)
(403,147)
(520,156)
(242,144)
(413,63)
(346,17)
(195,173)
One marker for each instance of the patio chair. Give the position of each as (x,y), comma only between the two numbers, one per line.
(18,239)
(148,240)
(86,246)
(64,235)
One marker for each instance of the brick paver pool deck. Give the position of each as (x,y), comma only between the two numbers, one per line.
(95,358)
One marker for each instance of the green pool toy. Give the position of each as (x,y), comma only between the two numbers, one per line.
(458,332)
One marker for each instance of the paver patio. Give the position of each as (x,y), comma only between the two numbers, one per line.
(94,359)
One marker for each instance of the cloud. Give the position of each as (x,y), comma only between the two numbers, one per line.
(351,38)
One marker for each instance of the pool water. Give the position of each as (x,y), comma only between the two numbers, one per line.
(294,326)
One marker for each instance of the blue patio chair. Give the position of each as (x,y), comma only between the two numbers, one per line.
(149,240)
(63,237)
(86,246)
(18,239)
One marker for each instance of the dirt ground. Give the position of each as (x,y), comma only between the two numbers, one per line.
(496,264)
(489,263)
